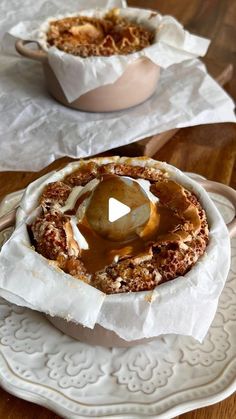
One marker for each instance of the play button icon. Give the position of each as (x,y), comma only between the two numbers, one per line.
(116,210)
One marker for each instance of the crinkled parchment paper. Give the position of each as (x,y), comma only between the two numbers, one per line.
(38,130)
(186,305)
(77,75)
(14,11)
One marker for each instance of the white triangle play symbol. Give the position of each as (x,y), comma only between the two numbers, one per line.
(116,210)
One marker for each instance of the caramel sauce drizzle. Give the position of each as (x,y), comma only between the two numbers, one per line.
(102,250)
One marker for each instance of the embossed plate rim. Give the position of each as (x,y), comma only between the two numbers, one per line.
(172,412)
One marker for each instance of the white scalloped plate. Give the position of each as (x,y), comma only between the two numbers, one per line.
(161,379)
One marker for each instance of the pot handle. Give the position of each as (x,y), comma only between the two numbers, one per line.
(225,191)
(38,55)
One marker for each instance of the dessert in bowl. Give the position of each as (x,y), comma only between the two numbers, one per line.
(98,38)
(116,281)
(160,238)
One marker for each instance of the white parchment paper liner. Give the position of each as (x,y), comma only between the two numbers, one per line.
(35,130)
(186,305)
(32,121)
(77,75)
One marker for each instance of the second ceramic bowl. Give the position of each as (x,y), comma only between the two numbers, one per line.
(136,84)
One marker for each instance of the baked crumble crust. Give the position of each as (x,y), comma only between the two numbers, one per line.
(89,36)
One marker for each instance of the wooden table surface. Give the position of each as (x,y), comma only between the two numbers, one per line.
(209,150)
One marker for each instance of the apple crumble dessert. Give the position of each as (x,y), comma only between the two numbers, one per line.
(89,36)
(160,238)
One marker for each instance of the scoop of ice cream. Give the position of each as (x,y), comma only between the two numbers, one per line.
(128,192)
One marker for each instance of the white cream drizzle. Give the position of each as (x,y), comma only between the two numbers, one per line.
(72,198)
(145,185)
(76,192)
(78,237)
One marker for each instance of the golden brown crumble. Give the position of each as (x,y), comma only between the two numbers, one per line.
(164,258)
(89,36)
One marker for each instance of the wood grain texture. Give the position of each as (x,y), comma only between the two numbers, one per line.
(13,408)
(209,150)
(221,72)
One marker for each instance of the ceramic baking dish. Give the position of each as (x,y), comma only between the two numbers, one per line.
(103,337)
(135,85)
(99,335)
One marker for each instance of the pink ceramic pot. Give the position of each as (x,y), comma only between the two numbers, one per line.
(136,84)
